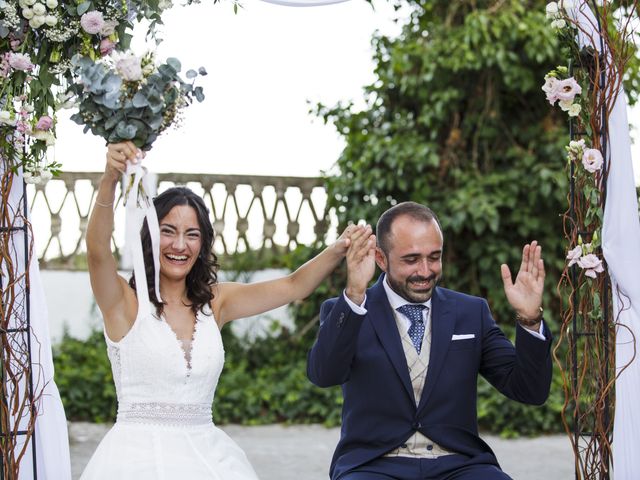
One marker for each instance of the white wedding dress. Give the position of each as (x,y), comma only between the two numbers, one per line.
(165,393)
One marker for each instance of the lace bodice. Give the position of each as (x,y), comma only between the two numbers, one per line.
(156,381)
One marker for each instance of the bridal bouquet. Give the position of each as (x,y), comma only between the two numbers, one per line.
(126,97)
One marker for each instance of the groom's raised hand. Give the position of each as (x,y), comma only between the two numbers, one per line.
(525,294)
(361,264)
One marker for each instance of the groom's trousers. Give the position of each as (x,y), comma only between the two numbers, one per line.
(450,467)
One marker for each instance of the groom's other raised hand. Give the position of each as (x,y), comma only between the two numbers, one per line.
(525,294)
(361,263)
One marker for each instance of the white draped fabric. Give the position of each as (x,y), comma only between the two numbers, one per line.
(621,248)
(52,445)
(304,3)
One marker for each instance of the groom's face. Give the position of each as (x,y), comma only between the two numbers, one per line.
(413,262)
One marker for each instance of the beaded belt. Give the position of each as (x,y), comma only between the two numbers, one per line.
(175,414)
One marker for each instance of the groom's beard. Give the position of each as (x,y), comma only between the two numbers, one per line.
(414,289)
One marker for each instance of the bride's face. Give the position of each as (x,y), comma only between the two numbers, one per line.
(180,242)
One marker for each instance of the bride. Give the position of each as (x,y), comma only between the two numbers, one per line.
(167,356)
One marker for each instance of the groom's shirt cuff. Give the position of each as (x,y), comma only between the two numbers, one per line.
(539,334)
(357,309)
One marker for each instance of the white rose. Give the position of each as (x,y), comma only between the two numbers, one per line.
(574,110)
(46,137)
(45,176)
(565,105)
(51,20)
(21,4)
(552,9)
(39,9)
(30,179)
(28,108)
(36,22)
(52,3)
(568,4)
(5,117)
(29,2)
(560,23)
(575,144)
(129,68)
(27,13)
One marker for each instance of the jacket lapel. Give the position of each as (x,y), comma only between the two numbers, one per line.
(442,327)
(381,317)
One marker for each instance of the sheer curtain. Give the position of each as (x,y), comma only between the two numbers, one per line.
(52,444)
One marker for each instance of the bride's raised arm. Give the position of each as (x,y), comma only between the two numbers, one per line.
(236,300)
(113,296)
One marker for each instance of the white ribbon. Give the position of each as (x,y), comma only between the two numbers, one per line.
(138,207)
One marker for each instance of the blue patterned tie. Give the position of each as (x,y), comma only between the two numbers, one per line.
(416,331)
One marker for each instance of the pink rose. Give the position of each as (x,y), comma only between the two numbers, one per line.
(574,255)
(92,22)
(20,61)
(591,264)
(592,160)
(130,68)
(45,123)
(106,46)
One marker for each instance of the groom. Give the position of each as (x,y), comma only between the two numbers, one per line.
(408,353)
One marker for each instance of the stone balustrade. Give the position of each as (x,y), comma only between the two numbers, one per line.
(248,212)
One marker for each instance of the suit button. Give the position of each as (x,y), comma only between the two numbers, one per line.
(404,445)
(341,319)
(417,425)
(429,447)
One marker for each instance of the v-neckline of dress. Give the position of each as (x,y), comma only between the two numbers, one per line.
(187,357)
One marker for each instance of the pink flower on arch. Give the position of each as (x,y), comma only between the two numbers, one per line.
(107,46)
(574,255)
(549,88)
(92,22)
(44,123)
(20,61)
(591,264)
(567,89)
(592,160)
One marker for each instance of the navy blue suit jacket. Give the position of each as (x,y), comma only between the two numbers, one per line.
(364,354)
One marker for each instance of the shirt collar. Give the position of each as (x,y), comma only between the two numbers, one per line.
(395,300)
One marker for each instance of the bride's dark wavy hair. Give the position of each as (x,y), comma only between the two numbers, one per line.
(204,272)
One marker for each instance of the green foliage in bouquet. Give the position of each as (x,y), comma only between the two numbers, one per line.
(133,99)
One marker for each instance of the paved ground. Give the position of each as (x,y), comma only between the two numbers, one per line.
(277,452)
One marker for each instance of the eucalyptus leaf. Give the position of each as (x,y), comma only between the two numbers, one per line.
(113,120)
(198,92)
(125,131)
(174,63)
(139,100)
(202,71)
(191,74)
(167,71)
(83,8)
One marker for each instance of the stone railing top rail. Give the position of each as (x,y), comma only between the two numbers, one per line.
(248,212)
